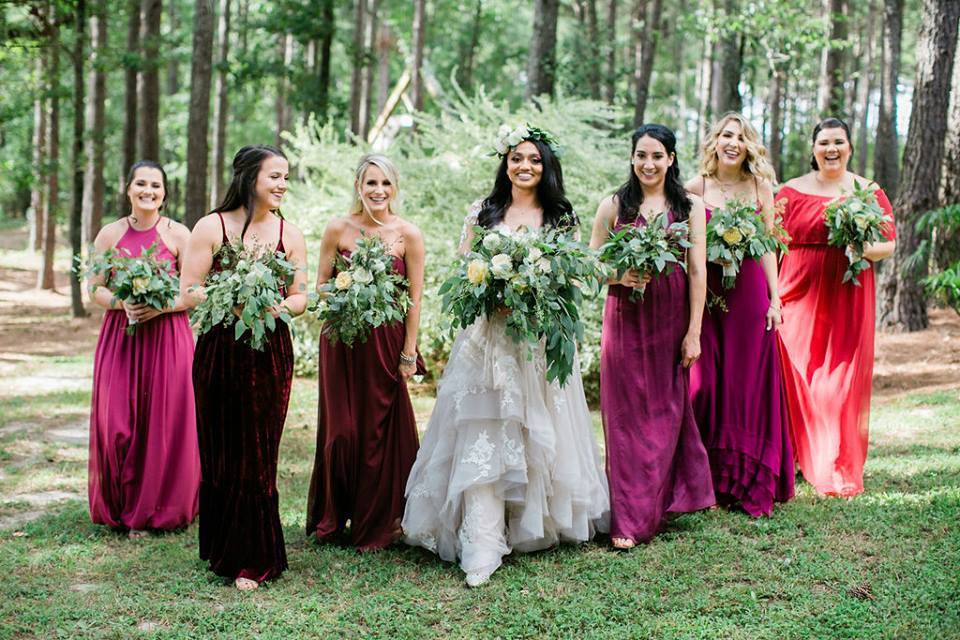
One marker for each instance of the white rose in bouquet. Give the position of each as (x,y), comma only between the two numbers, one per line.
(362,276)
(492,242)
(501,266)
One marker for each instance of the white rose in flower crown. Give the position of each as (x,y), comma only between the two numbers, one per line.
(477,271)
(534,254)
(492,242)
(140,285)
(362,276)
(522,131)
(501,146)
(501,265)
(343,281)
(503,131)
(514,139)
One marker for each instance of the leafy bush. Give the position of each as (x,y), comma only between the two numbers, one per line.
(943,283)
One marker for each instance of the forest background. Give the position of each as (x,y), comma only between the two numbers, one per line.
(92,85)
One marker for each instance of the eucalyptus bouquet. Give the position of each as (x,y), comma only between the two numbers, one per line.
(736,232)
(853,220)
(142,279)
(243,291)
(538,278)
(365,294)
(657,247)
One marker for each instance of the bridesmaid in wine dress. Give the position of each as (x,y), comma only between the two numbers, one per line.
(827,335)
(242,393)
(656,461)
(144,469)
(367,433)
(736,384)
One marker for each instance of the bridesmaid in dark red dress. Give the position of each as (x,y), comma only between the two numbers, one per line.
(828,325)
(242,394)
(144,469)
(367,434)
(736,386)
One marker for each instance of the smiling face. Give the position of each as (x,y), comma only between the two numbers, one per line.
(271,184)
(832,150)
(376,191)
(146,191)
(731,145)
(525,166)
(651,161)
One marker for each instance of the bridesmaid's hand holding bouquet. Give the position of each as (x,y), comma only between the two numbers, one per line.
(246,293)
(655,248)
(533,281)
(143,280)
(854,220)
(736,232)
(365,294)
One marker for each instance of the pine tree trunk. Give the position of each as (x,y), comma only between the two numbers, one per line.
(370,42)
(419,37)
(542,63)
(199,118)
(93,185)
(173,65)
(76,204)
(130,99)
(646,48)
(221,107)
(865,89)
(469,49)
(593,49)
(283,109)
(37,197)
(830,99)
(149,122)
(902,304)
(947,247)
(45,277)
(356,78)
(610,79)
(775,99)
(727,69)
(384,47)
(886,151)
(323,71)
(704,85)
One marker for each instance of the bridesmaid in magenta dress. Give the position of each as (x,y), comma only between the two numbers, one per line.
(736,385)
(367,433)
(242,393)
(144,469)
(656,462)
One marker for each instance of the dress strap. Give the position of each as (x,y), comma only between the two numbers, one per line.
(223,227)
(756,189)
(280,243)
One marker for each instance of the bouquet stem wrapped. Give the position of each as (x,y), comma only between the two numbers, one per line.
(853,220)
(656,247)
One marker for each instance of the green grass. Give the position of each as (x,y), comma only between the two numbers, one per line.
(884,565)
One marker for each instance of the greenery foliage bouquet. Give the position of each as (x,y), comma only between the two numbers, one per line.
(854,220)
(142,279)
(242,293)
(365,294)
(657,247)
(736,232)
(537,278)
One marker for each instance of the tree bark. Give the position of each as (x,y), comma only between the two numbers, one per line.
(646,48)
(384,47)
(93,185)
(149,122)
(468,50)
(199,118)
(830,99)
(542,62)
(76,204)
(326,42)
(610,79)
(775,146)
(594,68)
(221,105)
(727,68)
(37,198)
(865,89)
(173,64)
(946,247)
(372,28)
(419,36)
(131,72)
(704,85)
(356,78)
(45,277)
(902,304)
(886,166)
(284,113)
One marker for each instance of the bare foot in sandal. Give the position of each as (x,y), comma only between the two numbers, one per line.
(245,584)
(136,534)
(623,543)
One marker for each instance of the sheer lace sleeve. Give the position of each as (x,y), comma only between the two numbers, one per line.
(466,234)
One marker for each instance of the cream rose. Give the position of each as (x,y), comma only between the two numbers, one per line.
(501,265)
(477,271)
(343,281)
(140,285)
(732,236)
(362,276)
(544,265)
(534,254)
(492,242)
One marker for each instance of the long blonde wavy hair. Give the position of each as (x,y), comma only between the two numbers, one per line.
(756,162)
(389,169)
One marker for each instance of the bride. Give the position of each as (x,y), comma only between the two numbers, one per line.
(508,460)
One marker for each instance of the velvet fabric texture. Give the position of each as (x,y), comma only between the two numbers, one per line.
(144,469)
(366,439)
(656,462)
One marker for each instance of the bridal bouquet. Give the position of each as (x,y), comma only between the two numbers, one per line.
(657,247)
(366,293)
(242,293)
(852,221)
(536,280)
(736,232)
(142,280)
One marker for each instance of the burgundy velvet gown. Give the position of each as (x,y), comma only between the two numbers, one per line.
(366,439)
(242,396)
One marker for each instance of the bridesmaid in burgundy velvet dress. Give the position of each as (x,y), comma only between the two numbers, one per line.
(656,461)
(144,470)
(367,434)
(242,394)
(736,386)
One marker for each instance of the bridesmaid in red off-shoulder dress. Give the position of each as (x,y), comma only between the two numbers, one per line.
(828,325)
(367,433)
(144,470)
(242,393)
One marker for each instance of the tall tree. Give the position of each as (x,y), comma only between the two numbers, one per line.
(610,45)
(468,48)
(419,37)
(384,47)
(198,121)
(886,166)
(830,98)
(865,87)
(45,277)
(594,67)
(149,121)
(704,84)
(93,185)
(76,204)
(173,64)
(283,108)
(221,104)
(647,26)
(902,303)
(323,67)
(542,62)
(370,40)
(37,197)
(359,59)
(131,66)
(946,247)
(727,65)
(778,78)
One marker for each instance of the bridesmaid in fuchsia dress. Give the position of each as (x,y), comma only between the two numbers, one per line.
(144,469)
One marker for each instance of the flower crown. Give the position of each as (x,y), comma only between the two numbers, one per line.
(508,138)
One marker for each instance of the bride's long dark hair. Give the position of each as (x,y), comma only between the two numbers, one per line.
(630,194)
(557,210)
(242,191)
